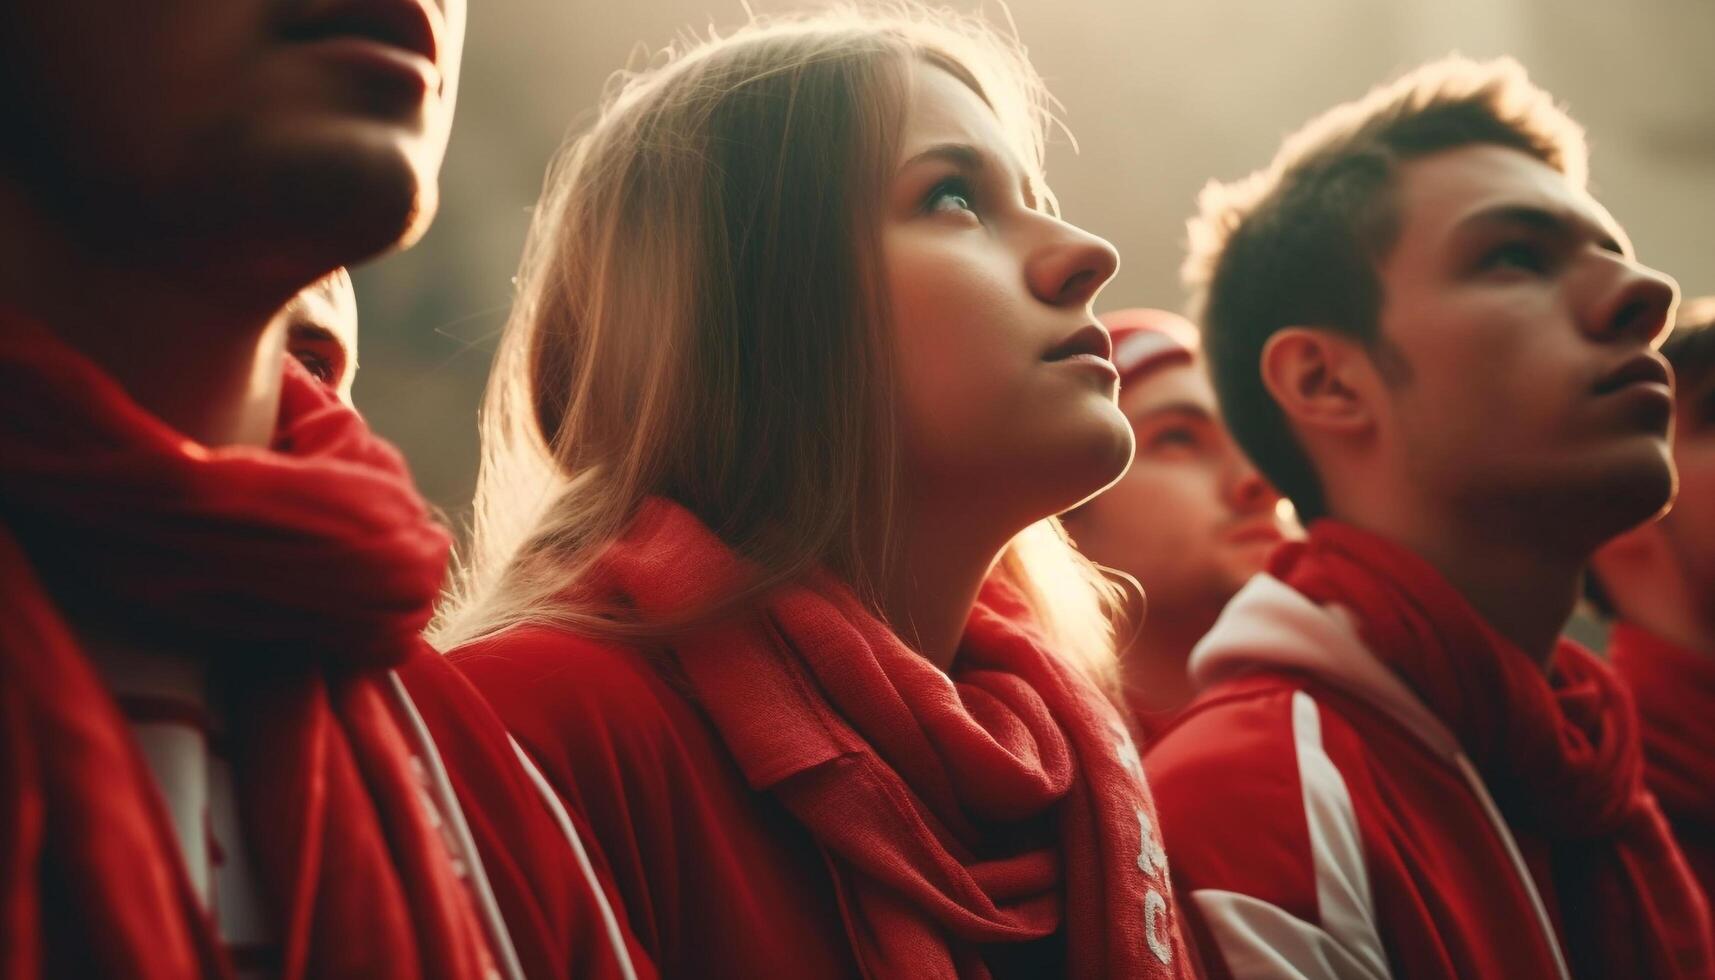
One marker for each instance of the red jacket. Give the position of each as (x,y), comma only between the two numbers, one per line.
(1675,690)
(1321,821)
(547,882)
(717,880)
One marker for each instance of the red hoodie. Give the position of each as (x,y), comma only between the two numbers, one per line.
(1373,783)
(1675,691)
(793,792)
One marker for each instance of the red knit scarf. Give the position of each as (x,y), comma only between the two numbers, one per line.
(302,572)
(1002,805)
(1675,691)
(1559,751)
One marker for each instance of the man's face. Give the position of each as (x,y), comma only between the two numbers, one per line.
(1529,390)
(1191,520)
(321,332)
(1689,528)
(1671,561)
(308,131)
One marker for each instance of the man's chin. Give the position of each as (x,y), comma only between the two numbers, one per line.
(1591,503)
(416,223)
(358,187)
(1646,485)
(1247,563)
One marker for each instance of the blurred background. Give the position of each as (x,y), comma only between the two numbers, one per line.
(1160,95)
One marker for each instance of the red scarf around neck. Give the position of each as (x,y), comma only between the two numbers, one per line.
(1560,751)
(1675,691)
(302,572)
(1001,805)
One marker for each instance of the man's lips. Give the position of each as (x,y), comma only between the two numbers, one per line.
(1643,369)
(409,26)
(1256,531)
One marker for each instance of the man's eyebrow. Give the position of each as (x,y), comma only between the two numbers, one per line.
(310,331)
(1191,410)
(1559,224)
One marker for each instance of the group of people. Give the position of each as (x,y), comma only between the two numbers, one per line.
(800,630)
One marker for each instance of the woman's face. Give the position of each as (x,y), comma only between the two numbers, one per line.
(1007,395)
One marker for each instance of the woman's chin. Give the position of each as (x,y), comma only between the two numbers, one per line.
(1096,458)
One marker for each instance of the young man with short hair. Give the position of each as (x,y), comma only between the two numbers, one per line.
(1191,520)
(226,750)
(321,331)
(1657,582)
(1433,341)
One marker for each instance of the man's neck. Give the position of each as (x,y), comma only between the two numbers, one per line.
(1155,662)
(1525,591)
(196,350)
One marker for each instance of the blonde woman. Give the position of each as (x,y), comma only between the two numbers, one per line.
(766,576)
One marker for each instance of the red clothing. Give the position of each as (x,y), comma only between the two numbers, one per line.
(1675,692)
(793,791)
(716,879)
(1373,783)
(1148,724)
(302,574)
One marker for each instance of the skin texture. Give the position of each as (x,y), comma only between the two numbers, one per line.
(321,332)
(1191,520)
(1661,575)
(181,169)
(1487,444)
(982,286)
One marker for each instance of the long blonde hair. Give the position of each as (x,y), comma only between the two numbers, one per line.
(700,317)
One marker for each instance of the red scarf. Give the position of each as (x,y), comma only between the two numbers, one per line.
(1003,805)
(1559,751)
(303,572)
(1675,691)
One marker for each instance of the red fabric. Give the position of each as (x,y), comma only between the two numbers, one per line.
(955,816)
(302,572)
(1560,752)
(717,880)
(1235,805)
(1148,724)
(550,912)
(1675,692)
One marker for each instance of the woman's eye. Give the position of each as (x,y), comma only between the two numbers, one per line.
(951,195)
(1523,256)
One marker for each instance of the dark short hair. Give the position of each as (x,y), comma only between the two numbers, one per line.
(1297,243)
(1690,348)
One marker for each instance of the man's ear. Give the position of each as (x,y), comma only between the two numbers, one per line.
(1322,381)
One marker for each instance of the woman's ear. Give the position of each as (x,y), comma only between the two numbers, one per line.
(1322,381)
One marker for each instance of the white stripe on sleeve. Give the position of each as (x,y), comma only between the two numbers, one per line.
(1257,939)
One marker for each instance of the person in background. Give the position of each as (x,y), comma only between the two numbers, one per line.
(1657,584)
(321,331)
(227,750)
(1432,339)
(767,576)
(1191,520)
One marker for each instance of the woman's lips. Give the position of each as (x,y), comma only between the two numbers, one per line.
(1091,338)
(1093,363)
